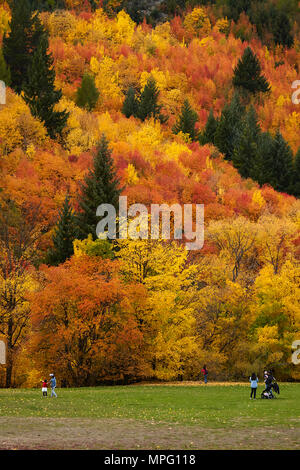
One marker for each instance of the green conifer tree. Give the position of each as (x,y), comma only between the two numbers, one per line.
(101,186)
(229,127)
(40,93)
(208,134)
(246,157)
(187,121)
(20,44)
(148,103)
(130,105)
(5,75)
(87,94)
(278,165)
(247,74)
(64,235)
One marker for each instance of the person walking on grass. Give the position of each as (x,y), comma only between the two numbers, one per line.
(44,387)
(205,373)
(254,381)
(53,385)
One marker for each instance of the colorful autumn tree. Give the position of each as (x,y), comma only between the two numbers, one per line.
(85,325)
(19,234)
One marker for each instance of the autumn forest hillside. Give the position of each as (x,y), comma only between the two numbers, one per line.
(189,103)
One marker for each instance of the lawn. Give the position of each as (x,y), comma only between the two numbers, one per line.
(187,416)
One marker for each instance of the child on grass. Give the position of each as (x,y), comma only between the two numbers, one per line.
(44,387)
(254,381)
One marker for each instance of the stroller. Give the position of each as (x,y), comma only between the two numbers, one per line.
(267,393)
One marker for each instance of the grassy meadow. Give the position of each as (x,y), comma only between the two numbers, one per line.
(178,416)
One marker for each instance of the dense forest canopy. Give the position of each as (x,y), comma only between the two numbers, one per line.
(186,102)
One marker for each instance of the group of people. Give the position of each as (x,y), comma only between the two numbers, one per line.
(52,386)
(269,381)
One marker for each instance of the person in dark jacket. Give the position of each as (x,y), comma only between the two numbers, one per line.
(205,373)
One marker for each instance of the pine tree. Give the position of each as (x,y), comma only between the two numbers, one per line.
(101,186)
(21,43)
(87,94)
(187,121)
(229,127)
(130,105)
(64,235)
(208,135)
(246,157)
(148,106)
(5,75)
(278,165)
(40,93)
(296,175)
(247,74)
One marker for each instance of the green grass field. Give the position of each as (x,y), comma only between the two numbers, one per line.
(150,417)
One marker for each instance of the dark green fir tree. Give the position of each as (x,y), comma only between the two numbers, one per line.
(148,103)
(208,134)
(247,74)
(230,126)
(87,94)
(187,121)
(64,235)
(40,93)
(246,157)
(278,165)
(101,186)
(21,42)
(5,75)
(130,105)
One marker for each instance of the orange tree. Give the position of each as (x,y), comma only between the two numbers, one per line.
(85,323)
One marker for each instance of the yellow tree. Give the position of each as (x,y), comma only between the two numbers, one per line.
(168,314)
(275,237)
(234,239)
(18,240)
(276,312)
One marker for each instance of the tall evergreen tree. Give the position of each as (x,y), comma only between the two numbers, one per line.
(229,126)
(148,103)
(208,134)
(130,105)
(87,94)
(5,75)
(64,235)
(278,165)
(187,121)
(40,93)
(20,44)
(247,74)
(101,186)
(246,157)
